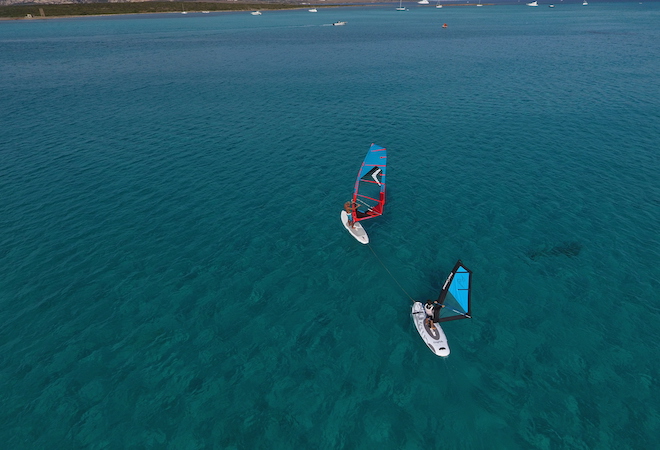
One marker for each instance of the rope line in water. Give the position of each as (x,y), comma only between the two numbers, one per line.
(388,271)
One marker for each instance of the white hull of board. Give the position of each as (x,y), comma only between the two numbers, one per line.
(436,341)
(357,231)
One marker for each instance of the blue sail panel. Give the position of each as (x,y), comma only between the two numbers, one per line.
(460,288)
(456,294)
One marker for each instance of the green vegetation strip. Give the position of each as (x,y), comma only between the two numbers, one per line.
(94,9)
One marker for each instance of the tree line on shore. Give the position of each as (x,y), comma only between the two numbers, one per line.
(93,9)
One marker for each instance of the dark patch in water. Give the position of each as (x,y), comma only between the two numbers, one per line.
(589,413)
(545,428)
(348,388)
(570,249)
(635,426)
(190,276)
(23,370)
(487,334)
(195,384)
(543,355)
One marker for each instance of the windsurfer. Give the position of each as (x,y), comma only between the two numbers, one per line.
(350,208)
(432,309)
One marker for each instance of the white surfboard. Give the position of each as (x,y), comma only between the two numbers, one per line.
(357,231)
(434,337)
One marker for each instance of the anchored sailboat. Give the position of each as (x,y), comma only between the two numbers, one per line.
(368,193)
(452,304)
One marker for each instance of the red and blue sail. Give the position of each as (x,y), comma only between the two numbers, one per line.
(369,191)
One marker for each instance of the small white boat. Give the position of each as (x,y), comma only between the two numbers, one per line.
(551,6)
(423,2)
(313,10)
(256,13)
(206,12)
(338,23)
(438,5)
(534,3)
(584,3)
(401,7)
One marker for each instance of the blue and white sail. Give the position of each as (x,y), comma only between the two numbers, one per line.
(456,295)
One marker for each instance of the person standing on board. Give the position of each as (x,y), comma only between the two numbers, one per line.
(432,308)
(350,207)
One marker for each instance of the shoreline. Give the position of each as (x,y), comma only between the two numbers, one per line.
(38,11)
(50,11)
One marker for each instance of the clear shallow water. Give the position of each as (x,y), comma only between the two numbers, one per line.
(173,272)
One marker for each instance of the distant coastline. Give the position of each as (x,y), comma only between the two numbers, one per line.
(46,10)
(19,10)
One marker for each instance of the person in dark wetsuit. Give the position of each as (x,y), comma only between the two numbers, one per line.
(432,309)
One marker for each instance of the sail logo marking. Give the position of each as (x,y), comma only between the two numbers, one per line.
(375,175)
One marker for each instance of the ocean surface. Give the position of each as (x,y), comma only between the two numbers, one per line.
(174,273)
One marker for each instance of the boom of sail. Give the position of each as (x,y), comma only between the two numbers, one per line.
(369,191)
(456,295)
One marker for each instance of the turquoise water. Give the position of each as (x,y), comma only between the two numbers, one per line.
(174,274)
